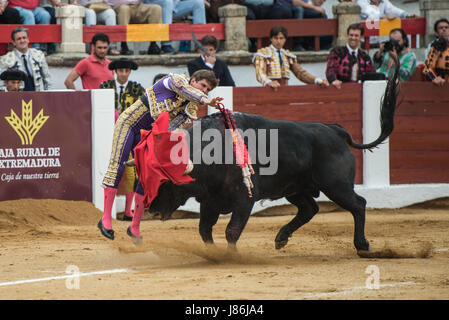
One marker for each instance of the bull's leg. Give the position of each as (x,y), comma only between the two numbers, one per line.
(345,197)
(208,218)
(239,218)
(307,208)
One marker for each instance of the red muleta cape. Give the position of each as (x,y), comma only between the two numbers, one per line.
(155,161)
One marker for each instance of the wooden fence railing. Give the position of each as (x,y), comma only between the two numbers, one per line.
(308,103)
(133,32)
(260,29)
(419,145)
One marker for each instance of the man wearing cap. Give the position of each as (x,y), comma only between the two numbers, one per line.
(29,60)
(13,79)
(126,93)
(175,94)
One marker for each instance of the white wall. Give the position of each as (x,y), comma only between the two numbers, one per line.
(244,76)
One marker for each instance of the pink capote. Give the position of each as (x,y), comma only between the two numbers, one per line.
(153,158)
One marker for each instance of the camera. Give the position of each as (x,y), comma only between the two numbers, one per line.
(440,44)
(391,44)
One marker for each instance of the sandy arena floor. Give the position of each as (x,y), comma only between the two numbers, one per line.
(43,242)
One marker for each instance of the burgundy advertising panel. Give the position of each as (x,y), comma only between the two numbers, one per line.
(45,145)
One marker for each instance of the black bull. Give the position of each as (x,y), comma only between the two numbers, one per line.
(312,157)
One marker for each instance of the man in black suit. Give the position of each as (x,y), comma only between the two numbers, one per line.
(210,62)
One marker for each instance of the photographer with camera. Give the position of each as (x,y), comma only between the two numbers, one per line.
(436,67)
(397,46)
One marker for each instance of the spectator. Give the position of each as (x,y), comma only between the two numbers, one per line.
(50,5)
(9,15)
(348,63)
(436,67)
(176,9)
(29,60)
(381,9)
(134,11)
(258,9)
(98,12)
(397,46)
(93,70)
(273,63)
(126,92)
(299,9)
(13,79)
(210,62)
(212,7)
(310,9)
(31,13)
(441,28)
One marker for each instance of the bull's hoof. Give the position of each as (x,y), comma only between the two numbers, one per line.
(280,244)
(136,240)
(106,232)
(363,246)
(281,240)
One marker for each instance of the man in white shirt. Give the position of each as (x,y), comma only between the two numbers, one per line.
(381,9)
(348,63)
(29,60)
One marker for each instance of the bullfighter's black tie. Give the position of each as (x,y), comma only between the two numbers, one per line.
(25,64)
(29,82)
(280,58)
(121,93)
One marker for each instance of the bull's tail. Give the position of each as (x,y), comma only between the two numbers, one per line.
(387,110)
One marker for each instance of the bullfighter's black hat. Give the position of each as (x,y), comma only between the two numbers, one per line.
(123,63)
(13,74)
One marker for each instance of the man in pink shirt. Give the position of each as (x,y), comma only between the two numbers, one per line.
(93,70)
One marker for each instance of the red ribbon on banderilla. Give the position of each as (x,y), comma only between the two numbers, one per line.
(241,152)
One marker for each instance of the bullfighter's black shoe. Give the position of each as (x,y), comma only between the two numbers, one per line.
(127,218)
(106,232)
(136,240)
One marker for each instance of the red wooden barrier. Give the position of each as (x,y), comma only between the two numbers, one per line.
(260,29)
(45,33)
(419,145)
(181,31)
(115,33)
(308,103)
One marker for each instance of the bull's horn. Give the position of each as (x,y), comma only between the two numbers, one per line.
(130,163)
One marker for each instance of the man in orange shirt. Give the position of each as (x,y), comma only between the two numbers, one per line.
(93,70)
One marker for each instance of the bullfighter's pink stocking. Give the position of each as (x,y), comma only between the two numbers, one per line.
(129,201)
(138,212)
(109,196)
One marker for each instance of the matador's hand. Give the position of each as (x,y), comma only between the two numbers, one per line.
(211,102)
